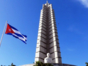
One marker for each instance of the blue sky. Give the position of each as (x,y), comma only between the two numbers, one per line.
(72,25)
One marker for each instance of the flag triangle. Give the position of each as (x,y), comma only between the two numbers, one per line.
(9,29)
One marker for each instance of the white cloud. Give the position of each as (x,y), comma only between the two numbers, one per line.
(84,2)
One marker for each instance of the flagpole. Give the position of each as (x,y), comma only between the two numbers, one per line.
(3,33)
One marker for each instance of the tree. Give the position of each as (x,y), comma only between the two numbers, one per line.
(38,63)
(86,64)
(12,64)
(48,64)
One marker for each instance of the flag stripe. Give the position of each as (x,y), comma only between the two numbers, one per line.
(16,31)
(12,27)
(18,35)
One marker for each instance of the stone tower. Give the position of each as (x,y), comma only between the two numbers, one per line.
(47,41)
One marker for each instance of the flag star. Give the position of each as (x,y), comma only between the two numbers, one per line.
(10,30)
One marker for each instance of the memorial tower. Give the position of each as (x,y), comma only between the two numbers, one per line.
(47,40)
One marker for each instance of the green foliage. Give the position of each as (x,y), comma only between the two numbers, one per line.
(38,63)
(12,64)
(9,65)
(48,64)
(86,64)
(3,65)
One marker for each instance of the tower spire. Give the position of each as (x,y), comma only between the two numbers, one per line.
(47,1)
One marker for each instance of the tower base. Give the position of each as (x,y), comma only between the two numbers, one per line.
(54,64)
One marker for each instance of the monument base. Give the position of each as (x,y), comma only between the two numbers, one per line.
(54,64)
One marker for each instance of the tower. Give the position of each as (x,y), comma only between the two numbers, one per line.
(47,40)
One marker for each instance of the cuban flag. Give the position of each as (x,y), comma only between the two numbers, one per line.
(10,30)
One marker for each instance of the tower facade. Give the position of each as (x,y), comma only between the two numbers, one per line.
(47,40)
